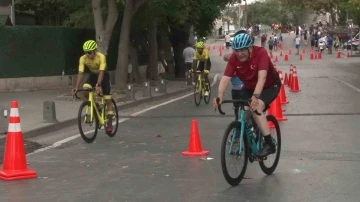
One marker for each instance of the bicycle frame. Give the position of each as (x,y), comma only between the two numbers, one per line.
(100,115)
(254,145)
(199,80)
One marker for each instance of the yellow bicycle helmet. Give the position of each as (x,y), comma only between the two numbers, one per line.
(200,44)
(89,45)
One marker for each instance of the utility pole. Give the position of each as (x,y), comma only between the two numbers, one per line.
(245,13)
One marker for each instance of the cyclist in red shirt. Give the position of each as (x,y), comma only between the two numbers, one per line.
(261,82)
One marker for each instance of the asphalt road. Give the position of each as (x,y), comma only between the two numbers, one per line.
(319,161)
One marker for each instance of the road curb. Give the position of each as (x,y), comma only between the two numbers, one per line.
(71,122)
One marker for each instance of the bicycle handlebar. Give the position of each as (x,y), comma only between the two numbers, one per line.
(86,90)
(240,101)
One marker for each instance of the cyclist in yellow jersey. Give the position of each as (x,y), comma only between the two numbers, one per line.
(202,55)
(98,77)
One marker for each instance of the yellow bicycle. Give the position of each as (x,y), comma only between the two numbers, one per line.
(94,104)
(199,89)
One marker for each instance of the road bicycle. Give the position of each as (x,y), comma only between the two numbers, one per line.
(199,88)
(246,140)
(99,118)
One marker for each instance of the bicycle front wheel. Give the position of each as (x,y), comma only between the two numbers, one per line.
(266,166)
(233,153)
(115,120)
(87,135)
(207,98)
(197,93)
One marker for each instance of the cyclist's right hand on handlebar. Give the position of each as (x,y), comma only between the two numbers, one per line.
(73,91)
(216,101)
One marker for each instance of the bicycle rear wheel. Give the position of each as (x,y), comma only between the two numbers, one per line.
(90,135)
(115,119)
(197,92)
(269,170)
(233,126)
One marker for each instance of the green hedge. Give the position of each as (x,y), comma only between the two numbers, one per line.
(32,51)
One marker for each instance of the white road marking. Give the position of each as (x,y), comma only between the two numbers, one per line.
(346,83)
(59,143)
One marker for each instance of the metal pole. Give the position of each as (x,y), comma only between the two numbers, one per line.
(12,15)
(239,15)
(245,20)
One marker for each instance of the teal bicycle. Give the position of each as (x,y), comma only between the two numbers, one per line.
(245,140)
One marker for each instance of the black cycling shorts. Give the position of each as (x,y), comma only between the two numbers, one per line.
(201,65)
(268,95)
(105,85)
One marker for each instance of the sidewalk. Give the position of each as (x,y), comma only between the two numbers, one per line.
(31,106)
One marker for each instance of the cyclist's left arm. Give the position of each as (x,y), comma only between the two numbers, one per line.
(206,63)
(101,69)
(263,67)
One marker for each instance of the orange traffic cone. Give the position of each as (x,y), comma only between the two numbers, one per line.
(311,54)
(294,83)
(319,57)
(14,162)
(286,57)
(276,110)
(282,90)
(338,54)
(290,75)
(286,80)
(301,57)
(276,59)
(281,54)
(195,148)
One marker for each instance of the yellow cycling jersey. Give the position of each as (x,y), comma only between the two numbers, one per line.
(98,63)
(204,56)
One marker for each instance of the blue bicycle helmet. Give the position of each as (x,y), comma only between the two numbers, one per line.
(241,41)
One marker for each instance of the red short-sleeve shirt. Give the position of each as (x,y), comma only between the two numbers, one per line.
(248,71)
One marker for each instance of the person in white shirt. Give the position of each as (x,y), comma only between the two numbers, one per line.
(188,55)
(297,44)
(227,40)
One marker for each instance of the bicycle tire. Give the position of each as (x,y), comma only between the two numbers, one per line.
(207,98)
(271,169)
(197,103)
(233,181)
(84,137)
(113,133)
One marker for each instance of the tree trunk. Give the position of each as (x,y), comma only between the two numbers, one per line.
(169,57)
(153,50)
(135,74)
(179,39)
(123,49)
(103,34)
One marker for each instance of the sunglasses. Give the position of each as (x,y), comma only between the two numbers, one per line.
(89,53)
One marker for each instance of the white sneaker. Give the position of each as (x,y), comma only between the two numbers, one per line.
(206,93)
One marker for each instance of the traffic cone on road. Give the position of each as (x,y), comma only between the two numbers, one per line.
(286,58)
(282,91)
(195,147)
(14,163)
(301,57)
(281,54)
(276,109)
(294,83)
(276,59)
(290,75)
(311,54)
(286,80)
(338,54)
(320,54)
